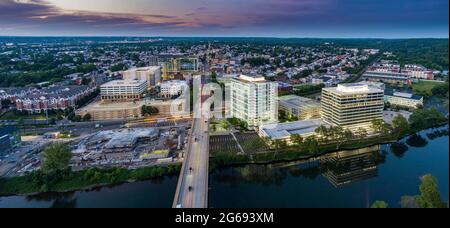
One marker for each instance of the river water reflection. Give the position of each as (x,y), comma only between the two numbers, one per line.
(342,179)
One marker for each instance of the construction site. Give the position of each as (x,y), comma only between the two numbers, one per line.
(128,148)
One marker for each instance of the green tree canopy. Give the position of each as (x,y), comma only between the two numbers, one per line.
(56,158)
(400,125)
(379,126)
(380,204)
(430,197)
(425,118)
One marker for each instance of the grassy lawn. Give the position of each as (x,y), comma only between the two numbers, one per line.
(425,87)
(217,127)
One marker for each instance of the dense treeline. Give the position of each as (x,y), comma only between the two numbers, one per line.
(254,62)
(33,77)
(431,53)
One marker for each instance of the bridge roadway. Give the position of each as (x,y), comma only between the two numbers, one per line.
(192,188)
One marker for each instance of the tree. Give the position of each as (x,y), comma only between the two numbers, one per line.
(149,110)
(225,124)
(400,125)
(361,134)
(56,158)
(408,202)
(425,118)
(323,132)
(380,127)
(87,117)
(279,144)
(297,140)
(380,204)
(214,77)
(311,145)
(118,67)
(440,90)
(345,136)
(430,197)
(77,118)
(282,116)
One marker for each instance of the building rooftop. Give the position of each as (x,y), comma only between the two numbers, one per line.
(148,68)
(56,92)
(284,130)
(404,95)
(246,78)
(354,88)
(387,75)
(125,83)
(297,101)
(100,106)
(121,138)
(325,78)
(174,82)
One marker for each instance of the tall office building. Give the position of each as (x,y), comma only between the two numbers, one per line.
(254,100)
(151,74)
(352,105)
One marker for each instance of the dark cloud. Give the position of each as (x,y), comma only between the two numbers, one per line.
(236,17)
(37,14)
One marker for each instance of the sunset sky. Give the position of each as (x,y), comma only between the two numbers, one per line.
(269,18)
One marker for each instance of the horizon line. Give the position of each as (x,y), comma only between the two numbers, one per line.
(248,37)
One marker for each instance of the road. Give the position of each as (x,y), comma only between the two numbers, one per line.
(192,189)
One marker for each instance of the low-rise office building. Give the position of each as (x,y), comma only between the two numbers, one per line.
(407,100)
(132,110)
(301,107)
(387,77)
(173,88)
(112,110)
(283,131)
(123,90)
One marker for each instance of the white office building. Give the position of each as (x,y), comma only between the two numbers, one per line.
(254,100)
(352,105)
(406,100)
(301,107)
(284,131)
(151,74)
(123,90)
(173,88)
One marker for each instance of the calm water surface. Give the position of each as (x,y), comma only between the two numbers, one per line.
(343,179)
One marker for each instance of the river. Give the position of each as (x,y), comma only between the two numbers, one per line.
(342,179)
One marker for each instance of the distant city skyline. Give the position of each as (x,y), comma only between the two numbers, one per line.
(232,18)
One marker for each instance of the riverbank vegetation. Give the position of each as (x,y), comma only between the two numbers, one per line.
(429,196)
(55,175)
(333,138)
